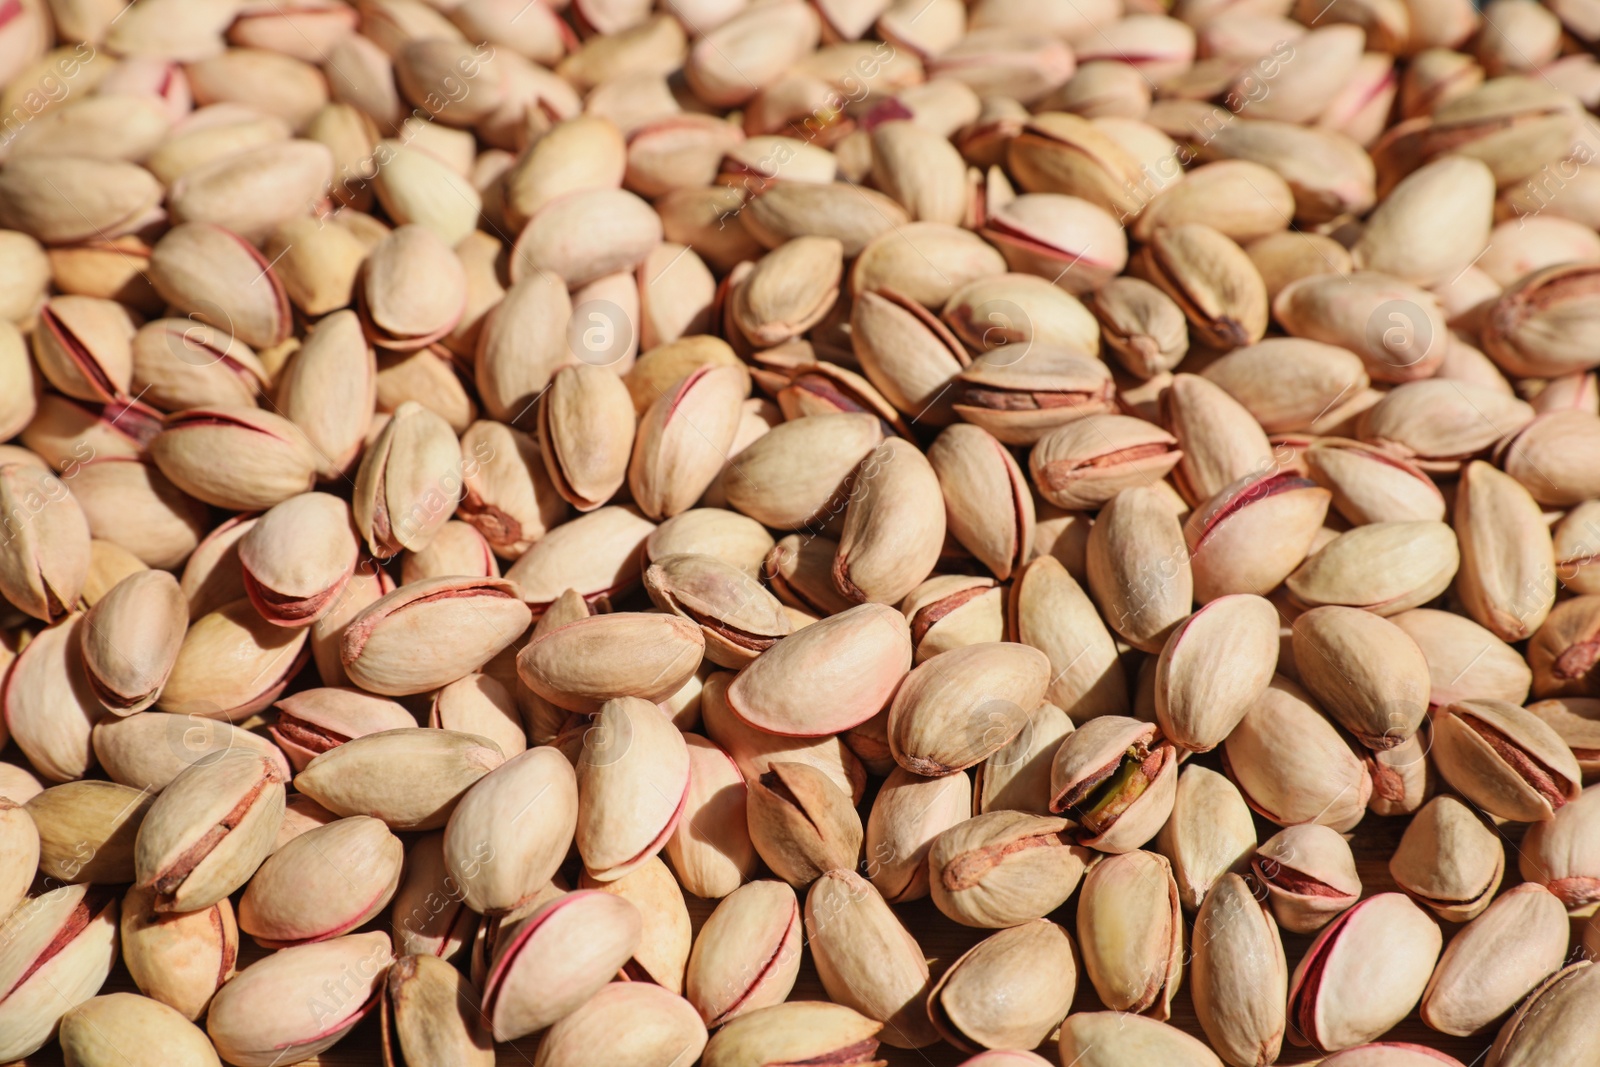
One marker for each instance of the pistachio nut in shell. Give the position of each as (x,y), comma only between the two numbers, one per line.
(952,712)
(1396,328)
(633,781)
(1086,463)
(952,610)
(1130,929)
(1211,279)
(1538,325)
(178,959)
(409,481)
(1563,854)
(684,439)
(301,894)
(794,1032)
(1449,859)
(585,663)
(747,954)
(1003,868)
(21,845)
(1465,660)
(907,814)
(802,824)
(710,850)
(1364,671)
(300,1026)
(427,915)
(129,1029)
(1008,991)
(59,949)
(1564,650)
(409,778)
(1505,759)
(1049,610)
(636,1021)
(1230,550)
(1117,777)
(44,564)
(297,557)
(1309,875)
(131,639)
(738,617)
(1213,667)
(894,526)
(586,429)
(1507,578)
(86,830)
(867,959)
(238,458)
(312,721)
(1547,1029)
(550,962)
(466,622)
(1381,567)
(1209,833)
(429,1016)
(753,750)
(49,708)
(498,861)
(1118,1039)
(1575,719)
(1139,572)
(1240,977)
(1525,932)
(829,676)
(1021,391)
(1338,998)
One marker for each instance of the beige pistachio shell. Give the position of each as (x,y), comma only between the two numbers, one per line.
(1505,759)
(409,778)
(1240,977)
(1449,859)
(1309,875)
(1009,990)
(126,1028)
(429,1015)
(131,638)
(178,959)
(1130,928)
(639,1022)
(60,948)
(468,622)
(498,860)
(1364,671)
(1209,833)
(633,777)
(328,881)
(793,1032)
(577,667)
(1003,868)
(1525,931)
(86,830)
(1117,1039)
(907,814)
(1213,667)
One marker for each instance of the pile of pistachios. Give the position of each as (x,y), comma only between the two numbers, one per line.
(612,534)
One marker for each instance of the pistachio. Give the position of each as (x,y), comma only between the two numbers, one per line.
(993,995)
(1365,671)
(163,1035)
(575,666)
(633,778)
(1240,974)
(1021,396)
(1130,928)
(636,1020)
(1449,859)
(60,947)
(1139,572)
(1209,833)
(1205,682)
(409,778)
(908,813)
(1309,875)
(300,895)
(472,620)
(794,1032)
(1505,759)
(428,1016)
(85,830)
(1004,868)
(1541,1030)
(801,823)
(1117,1039)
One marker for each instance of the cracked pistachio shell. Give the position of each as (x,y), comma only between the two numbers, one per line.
(586,430)
(1214,666)
(1441,425)
(894,526)
(209,830)
(427,916)
(498,860)
(581,665)
(789,290)
(409,481)
(83,345)
(409,778)
(1373,485)
(547,964)
(238,458)
(1008,991)
(297,558)
(684,439)
(49,706)
(458,549)
(1117,1039)
(1574,719)
(907,814)
(1086,463)
(328,881)
(179,959)
(131,639)
(430,1015)
(586,235)
(59,947)
(1139,572)
(737,616)
(335,360)
(747,955)
(1240,977)
(801,823)
(798,473)
(44,563)
(1130,929)
(1563,854)
(1049,610)
(20,846)
(219,278)
(663,952)
(1507,580)
(1403,778)
(148,750)
(1117,777)
(1449,859)
(989,507)
(1293,765)
(1020,394)
(1063,153)
(462,623)
(953,610)
(1382,567)
(1549,1028)
(313,721)
(636,1022)
(507,495)
(1209,833)
(867,959)
(1539,326)
(1220,440)
(1077,244)
(1496,959)
(955,710)
(1505,759)
(710,849)
(1005,867)
(1211,279)
(633,781)
(1565,648)
(800,569)
(907,354)
(299,1001)
(1363,973)
(1390,1054)
(1364,671)
(1227,536)
(754,750)
(86,830)
(735,539)
(832,675)
(795,1032)
(132,1031)
(1309,875)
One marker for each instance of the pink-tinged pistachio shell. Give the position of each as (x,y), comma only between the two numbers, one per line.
(413,289)
(1012,988)
(178,959)
(49,705)
(796,1032)
(1209,833)
(1563,854)
(586,430)
(663,952)
(1231,553)
(1449,859)
(21,845)
(44,561)
(710,849)
(1003,868)
(232,663)
(59,948)
(684,439)
(317,994)
(637,1022)
(755,750)
(131,639)
(1373,485)
(1213,667)
(241,459)
(411,779)
(1085,463)
(549,963)
(737,616)
(297,558)
(826,678)
(1364,671)
(409,481)
(463,623)
(209,830)
(775,488)
(148,750)
(907,814)
(1496,959)
(428,916)
(498,860)
(893,527)
(1049,610)
(1309,875)
(598,555)
(1117,1039)
(989,508)
(1505,759)
(61,200)
(1548,1028)
(313,721)
(1293,765)
(747,955)
(1391,1054)
(1363,973)
(334,360)
(1130,928)
(633,783)
(955,710)
(218,278)
(86,830)
(1117,777)
(586,235)
(83,347)
(328,881)
(585,663)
